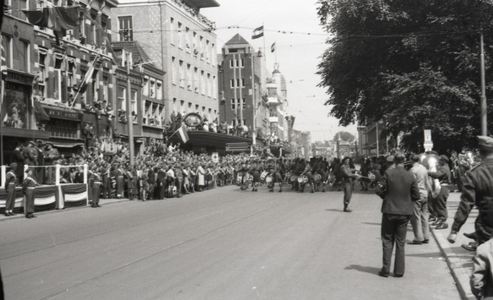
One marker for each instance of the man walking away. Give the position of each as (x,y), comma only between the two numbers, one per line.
(419,219)
(397,208)
(440,202)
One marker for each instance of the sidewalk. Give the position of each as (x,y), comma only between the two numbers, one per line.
(21,215)
(458,259)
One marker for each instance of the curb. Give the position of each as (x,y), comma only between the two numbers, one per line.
(454,262)
(52,211)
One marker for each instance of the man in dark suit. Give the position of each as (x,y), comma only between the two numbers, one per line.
(397,207)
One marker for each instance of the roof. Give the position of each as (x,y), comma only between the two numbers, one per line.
(202,3)
(138,54)
(237,40)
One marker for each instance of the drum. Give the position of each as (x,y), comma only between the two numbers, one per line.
(268,179)
(317,178)
(371,176)
(239,178)
(263,175)
(293,178)
(302,179)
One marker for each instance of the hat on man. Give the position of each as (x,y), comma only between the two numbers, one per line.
(485,142)
(32,143)
(444,158)
(415,157)
(390,158)
(13,166)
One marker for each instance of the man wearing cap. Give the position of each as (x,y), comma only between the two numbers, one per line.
(40,172)
(10,183)
(439,203)
(29,187)
(29,154)
(477,191)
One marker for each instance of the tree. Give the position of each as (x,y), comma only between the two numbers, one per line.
(412,64)
(344,136)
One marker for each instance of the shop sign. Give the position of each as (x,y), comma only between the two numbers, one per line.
(62,114)
(192,120)
(19,78)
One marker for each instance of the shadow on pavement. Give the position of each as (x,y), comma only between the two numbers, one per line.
(371,270)
(369,223)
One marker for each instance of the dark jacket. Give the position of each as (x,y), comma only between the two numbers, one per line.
(401,191)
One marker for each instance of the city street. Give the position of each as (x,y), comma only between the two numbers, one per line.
(218,244)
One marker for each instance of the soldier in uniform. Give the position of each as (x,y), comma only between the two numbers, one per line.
(19,159)
(347,179)
(50,156)
(477,190)
(96,186)
(40,172)
(440,202)
(11,182)
(29,187)
(29,154)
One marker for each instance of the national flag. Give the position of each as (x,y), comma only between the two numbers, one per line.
(39,111)
(88,77)
(4,60)
(273,47)
(258,32)
(183,134)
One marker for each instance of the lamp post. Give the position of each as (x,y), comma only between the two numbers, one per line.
(484,127)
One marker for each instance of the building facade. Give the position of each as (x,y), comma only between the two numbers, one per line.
(180,41)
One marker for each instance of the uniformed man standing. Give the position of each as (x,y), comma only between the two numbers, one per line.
(10,183)
(29,187)
(347,181)
(477,190)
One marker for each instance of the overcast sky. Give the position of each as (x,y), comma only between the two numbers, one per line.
(298,53)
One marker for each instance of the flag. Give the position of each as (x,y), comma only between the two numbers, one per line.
(273,47)
(39,111)
(183,134)
(4,62)
(258,32)
(87,78)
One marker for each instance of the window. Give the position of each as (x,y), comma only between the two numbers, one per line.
(122,98)
(71,79)
(42,74)
(195,44)
(180,38)
(189,77)
(159,90)
(188,43)
(196,80)
(209,85)
(206,50)
(173,70)
(214,87)
(57,92)
(105,90)
(7,46)
(133,104)
(125,28)
(145,88)
(233,104)
(196,107)
(172,30)
(22,63)
(182,74)
(201,47)
(202,82)
(152,88)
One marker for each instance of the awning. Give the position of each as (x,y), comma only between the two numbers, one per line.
(66,144)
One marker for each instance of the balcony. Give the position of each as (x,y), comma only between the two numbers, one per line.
(273,119)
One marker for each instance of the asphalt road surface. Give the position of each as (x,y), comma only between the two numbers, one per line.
(218,244)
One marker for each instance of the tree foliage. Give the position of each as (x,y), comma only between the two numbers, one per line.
(344,136)
(413,64)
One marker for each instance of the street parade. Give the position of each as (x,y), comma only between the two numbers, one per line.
(238,150)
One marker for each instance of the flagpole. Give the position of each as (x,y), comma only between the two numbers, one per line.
(265,49)
(130,120)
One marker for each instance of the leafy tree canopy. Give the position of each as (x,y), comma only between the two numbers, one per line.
(344,136)
(413,64)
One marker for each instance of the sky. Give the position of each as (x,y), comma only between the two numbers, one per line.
(298,53)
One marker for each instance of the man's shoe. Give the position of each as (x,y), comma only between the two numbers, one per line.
(348,210)
(415,242)
(436,222)
(470,247)
(382,274)
(426,241)
(398,275)
(33,216)
(442,225)
(471,236)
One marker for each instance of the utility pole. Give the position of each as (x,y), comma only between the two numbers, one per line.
(129,112)
(484,126)
(254,127)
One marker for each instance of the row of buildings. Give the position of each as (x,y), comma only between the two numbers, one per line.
(74,70)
